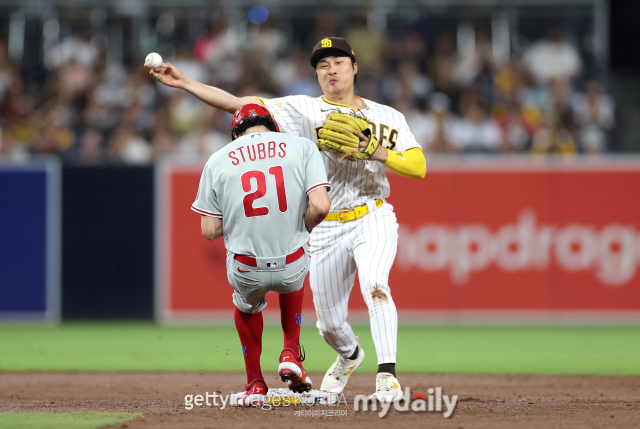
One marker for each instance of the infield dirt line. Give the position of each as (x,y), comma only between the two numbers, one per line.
(484,400)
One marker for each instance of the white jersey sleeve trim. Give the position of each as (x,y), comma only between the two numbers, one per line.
(319,185)
(206,213)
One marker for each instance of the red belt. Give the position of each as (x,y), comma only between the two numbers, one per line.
(250,261)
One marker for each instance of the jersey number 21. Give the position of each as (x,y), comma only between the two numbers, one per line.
(249,209)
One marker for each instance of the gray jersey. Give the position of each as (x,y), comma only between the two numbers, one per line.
(258,185)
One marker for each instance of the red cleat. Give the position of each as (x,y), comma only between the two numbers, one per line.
(255,395)
(291,371)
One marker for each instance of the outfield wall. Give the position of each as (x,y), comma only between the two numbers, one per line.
(516,238)
(108,242)
(30,240)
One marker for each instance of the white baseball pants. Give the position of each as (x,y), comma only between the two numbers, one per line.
(368,245)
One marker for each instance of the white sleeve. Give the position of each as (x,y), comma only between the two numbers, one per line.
(206,202)
(406,140)
(315,174)
(286,111)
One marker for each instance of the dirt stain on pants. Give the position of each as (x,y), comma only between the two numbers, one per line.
(378,295)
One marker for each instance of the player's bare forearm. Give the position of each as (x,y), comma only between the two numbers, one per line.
(211,227)
(319,206)
(381,154)
(170,75)
(312,218)
(217,97)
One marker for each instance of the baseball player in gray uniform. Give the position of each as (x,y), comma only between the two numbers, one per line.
(361,232)
(264,192)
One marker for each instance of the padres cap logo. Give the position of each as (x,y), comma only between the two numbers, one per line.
(331,46)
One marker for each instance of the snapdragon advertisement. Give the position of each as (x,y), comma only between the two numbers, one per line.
(502,236)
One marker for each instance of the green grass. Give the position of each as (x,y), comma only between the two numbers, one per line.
(422,349)
(63,420)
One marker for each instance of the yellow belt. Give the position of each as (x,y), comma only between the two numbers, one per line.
(347,215)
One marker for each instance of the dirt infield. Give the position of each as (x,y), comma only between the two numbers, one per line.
(484,401)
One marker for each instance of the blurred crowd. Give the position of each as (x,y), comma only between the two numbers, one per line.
(91,110)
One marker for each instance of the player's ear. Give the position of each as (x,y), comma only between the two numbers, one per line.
(355,72)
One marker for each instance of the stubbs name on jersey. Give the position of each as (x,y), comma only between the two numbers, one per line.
(386,135)
(257,152)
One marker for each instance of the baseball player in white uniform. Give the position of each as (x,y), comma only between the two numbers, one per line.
(361,232)
(264,191)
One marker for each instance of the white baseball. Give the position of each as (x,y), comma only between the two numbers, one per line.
(153,60)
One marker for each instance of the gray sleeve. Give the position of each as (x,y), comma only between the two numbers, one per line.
(206,202)
(315,175)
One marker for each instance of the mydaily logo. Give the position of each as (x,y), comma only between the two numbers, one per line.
(434,401)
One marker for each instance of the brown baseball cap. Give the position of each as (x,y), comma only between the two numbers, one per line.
(331,46)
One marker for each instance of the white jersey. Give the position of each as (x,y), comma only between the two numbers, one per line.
(303,116)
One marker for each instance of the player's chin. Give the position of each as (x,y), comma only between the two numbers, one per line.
(333,88)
